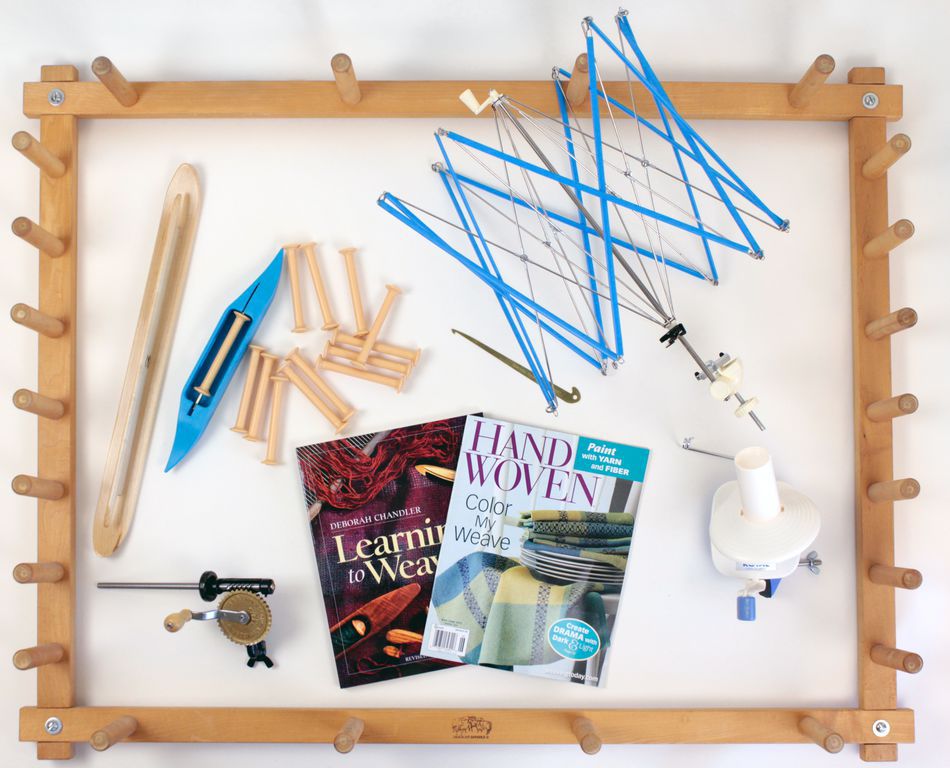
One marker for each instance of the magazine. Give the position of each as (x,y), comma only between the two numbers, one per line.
(535,551)
(377,505)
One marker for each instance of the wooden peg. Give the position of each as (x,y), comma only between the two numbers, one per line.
(391,293)
(349,735)
(579,85)
(38,656)
(902,578)
(112,79)
(900,320)
(309,251)
(346,83)
(27,485)
(361,329)
(375,361)
(899,405)
(41,405)
(821,734)
(25,315)
(204,389)
(39,155)
(380,346)
(268,361)
(38,237)
(811,81)
(38,573)
(344,409)
(902,661)
(290,253)
(899,232)
(894,490)
(116,731)
(586,735)
(328,413)
(175,621)
(878,163)
(247,395)
(273,427)
(349,370)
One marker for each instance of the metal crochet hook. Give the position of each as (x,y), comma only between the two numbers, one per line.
(562,394)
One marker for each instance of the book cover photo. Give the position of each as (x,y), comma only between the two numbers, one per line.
(377,505)
(535,551)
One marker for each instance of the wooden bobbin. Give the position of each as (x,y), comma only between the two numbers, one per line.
(346,82)
(329,322)
(38,656)
(361,329)
(878,163)
(349,370)
(821,734)
(899,232)
(578,85)
(273,427)
(28,485)
(894,490)
(586,735)
(38,573)
(41,405)
(811,81)
(39,155)
(382,347)
(893,407)
(343,409)
(247,394)
(25,315)
(256,422)
(900,320)
(902,661)
(38,237)
(118,730)
(392,292)
(204,388)
(375,361)
(891,576)
(328,413)
(290,255)
(113,79)
(349,735)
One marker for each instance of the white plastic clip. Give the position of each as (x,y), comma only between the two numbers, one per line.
(727,381)
(469,100)
(746,407)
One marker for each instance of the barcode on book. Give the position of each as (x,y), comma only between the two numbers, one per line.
(449,639)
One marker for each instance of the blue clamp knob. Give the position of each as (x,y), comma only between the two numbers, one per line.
(745,608)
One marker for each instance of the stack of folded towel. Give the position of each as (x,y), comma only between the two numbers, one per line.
(601,536)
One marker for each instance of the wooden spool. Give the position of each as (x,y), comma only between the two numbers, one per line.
(39,155)
(38,573)
(392,292)
(894,490)
(112,79)
(374,361)
(293,270)
(351,277)
(28,485)
(358,373)
(349,735)
(268,362)
(586,735)
(380,346)
(247,394)
(900,320)
(890,576)
(118,730)
(329,322)
(343,408)
(25,315)
(41,405)
(578,86)
(878,163)
(821,734)
(811,81)
(902,661)
(899,232)
(38,237)
(204,388)
(328,413)
(38,656)
(273,426)
(346,82)
(892,407)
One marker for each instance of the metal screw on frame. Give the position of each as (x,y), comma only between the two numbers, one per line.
(870,100)
(53,726)
(56,97)
(881,728)
(812,561)
(687,444)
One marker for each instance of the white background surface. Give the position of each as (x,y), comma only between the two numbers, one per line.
(265,183)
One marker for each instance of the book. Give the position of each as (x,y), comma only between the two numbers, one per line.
(535,551)
(377,505)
